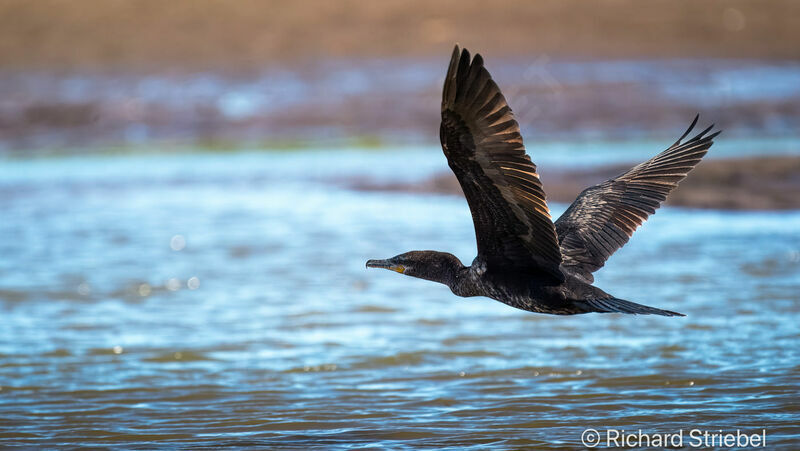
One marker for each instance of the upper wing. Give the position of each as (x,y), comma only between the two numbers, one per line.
(604,216)
(483,146)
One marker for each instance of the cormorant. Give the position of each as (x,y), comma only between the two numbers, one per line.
(524,259)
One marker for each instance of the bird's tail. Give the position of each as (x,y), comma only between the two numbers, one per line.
(614,305)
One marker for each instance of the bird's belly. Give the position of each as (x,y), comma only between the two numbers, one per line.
(541,299)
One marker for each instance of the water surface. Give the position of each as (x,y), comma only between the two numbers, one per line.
(209,300)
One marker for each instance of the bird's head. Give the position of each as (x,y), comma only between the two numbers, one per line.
(429,265)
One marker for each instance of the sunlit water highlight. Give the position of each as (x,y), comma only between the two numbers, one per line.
(213,300)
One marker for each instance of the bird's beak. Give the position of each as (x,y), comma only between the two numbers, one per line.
(386,264)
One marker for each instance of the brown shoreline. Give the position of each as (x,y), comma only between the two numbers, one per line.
(758,183)
(249,35)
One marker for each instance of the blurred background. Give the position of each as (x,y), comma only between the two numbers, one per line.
(189,191)
(212,73)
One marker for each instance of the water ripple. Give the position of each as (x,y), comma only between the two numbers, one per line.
(285,340)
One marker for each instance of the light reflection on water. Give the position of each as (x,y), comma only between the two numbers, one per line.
(288,339)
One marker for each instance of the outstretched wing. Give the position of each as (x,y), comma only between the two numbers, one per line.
(604,216)
(483,146)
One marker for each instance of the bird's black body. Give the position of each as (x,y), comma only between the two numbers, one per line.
(524,259)
(533,292)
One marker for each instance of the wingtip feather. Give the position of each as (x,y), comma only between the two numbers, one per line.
(700,135)
(688,130)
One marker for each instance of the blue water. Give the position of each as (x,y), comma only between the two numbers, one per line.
(207,300)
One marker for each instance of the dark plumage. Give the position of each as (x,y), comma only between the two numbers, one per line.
(524,259)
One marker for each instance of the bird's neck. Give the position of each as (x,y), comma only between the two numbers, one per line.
(448,272)
(465,282)
(441,267)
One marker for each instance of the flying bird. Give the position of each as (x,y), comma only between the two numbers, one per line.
(524,259)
